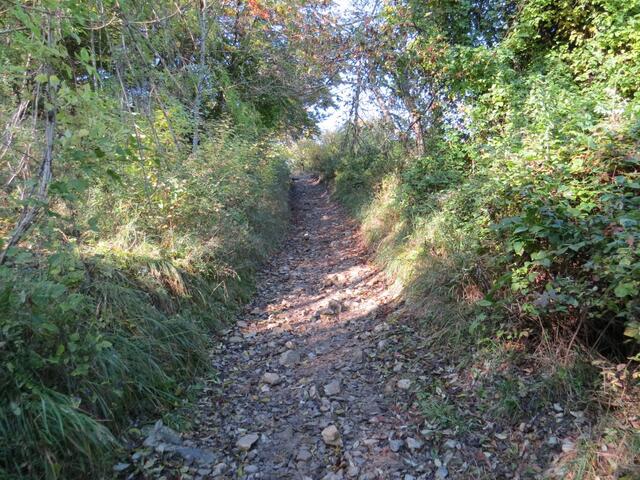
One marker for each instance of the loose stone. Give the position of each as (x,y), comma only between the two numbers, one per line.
(219,469)
(331,435)
(271,378)
(288,358)
(404,384)
(332,388)
(450,444)
(303,455)
(414,443)
(442,472)
(246,441)
(395,445)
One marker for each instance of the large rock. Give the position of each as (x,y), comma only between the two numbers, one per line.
(331,435)
(288,358)
(246,441)
(162,434)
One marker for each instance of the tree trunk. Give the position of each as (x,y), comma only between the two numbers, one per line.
(39,191)
(197,103)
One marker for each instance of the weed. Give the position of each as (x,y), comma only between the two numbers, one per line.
(438,409)
(116,328)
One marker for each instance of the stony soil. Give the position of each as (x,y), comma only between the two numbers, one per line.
(319,380)
(313,323)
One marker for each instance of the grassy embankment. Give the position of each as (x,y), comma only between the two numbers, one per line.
(115,323)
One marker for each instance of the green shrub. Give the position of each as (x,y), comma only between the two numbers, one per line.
(536,191)
(112,328)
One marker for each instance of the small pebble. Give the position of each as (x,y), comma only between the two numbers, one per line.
(404,384)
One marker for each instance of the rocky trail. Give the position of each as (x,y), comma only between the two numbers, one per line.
(302,395)
(316,379)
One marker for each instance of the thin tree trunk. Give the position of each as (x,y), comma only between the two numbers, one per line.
(382,105)
(415,117)
(95,75)
(9,129)
(40,190)
(197,104)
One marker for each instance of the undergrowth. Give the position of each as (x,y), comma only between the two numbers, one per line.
(142,181)
(110,327)
(464,288)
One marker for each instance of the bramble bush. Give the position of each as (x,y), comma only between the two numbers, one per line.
(500,185)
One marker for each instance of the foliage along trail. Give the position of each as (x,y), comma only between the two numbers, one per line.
(319,378)
(144,169)
(142,180)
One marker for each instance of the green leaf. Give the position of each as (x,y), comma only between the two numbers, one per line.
(80,371)
(49,327)
(84,55)
(114,175)
(518,247)
(626,289)
(93,224)
(103,345)
(15,409)
(633,330)
(576,246)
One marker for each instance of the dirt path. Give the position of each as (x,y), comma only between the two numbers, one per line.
(302,392)
(321,378)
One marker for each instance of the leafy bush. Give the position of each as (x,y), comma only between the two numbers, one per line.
(142,181)
(533,191)
(309,155)
(510,214)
